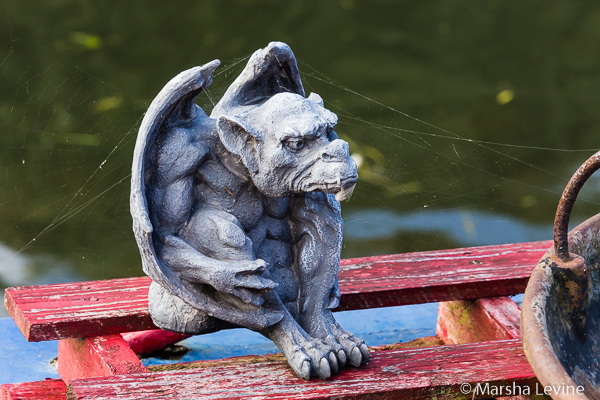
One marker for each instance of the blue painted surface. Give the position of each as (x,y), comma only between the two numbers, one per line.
(21,361)
(518,299)
(376,326)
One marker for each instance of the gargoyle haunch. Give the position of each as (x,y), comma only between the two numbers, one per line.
(237,215)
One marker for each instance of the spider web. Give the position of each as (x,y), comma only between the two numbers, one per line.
(67,143)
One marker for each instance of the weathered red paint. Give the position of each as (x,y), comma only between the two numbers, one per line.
(80,309)
(441,275)
(433,372)
(468,321)
(84,309)
(145,342)
(50,389)
(96,356)
(56,389)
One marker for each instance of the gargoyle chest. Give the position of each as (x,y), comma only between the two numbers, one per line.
(263,219)
(216,187)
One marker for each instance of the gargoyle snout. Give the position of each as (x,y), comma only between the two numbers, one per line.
(337,150)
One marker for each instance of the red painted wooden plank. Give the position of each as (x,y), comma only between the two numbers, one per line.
(80,309)
(441,275)
(51,389)
(433,372)
(468,321)
(56,389)
(96,356)
(85,309)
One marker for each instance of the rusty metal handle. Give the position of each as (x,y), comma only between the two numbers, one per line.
(565,206)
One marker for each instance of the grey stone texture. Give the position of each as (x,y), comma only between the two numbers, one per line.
(237,215)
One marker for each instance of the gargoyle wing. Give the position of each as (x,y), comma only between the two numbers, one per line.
(269,71)
(174,103)
(177,94)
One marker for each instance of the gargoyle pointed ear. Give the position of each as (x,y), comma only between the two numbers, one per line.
(315,98)
(269,71)
(240,140)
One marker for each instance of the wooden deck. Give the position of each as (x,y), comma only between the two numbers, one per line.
(84,309)
(434,372)
(477,324)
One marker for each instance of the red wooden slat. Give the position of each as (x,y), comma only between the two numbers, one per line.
(85,309)
(468,321)
(80,309)
(441,275)
(51,389)
(96,356)
(433,372)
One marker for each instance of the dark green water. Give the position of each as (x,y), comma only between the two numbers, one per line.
(417,85)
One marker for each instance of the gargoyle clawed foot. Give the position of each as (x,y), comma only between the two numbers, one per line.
(308,356)
(349,349)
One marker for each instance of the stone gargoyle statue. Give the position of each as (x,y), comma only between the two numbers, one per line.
(237,215)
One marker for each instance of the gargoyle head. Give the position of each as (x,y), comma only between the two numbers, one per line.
(289,146)
(285,140)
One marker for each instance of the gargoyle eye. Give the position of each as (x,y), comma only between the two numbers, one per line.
(328,131)
(294,144)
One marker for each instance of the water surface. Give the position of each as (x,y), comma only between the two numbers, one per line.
(467,117)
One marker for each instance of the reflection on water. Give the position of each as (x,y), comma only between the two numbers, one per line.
(18,269)
(12,267)
(76,78)
(379,231)
(465,227)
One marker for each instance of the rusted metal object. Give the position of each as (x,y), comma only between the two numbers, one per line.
(561,220)
(560,319)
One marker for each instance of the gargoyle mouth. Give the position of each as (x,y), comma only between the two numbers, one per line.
(349,181)
(342,188)
(346,186)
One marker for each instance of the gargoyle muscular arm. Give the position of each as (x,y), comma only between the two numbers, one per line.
(317,227)
(172,197)
(178,159)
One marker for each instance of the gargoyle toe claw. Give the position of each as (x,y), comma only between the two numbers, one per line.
(305,372)
(355,357)
(341,355)
(324,369)
(333,363)
(365,353)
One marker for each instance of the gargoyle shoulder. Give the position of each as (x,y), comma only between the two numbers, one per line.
(180,149)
